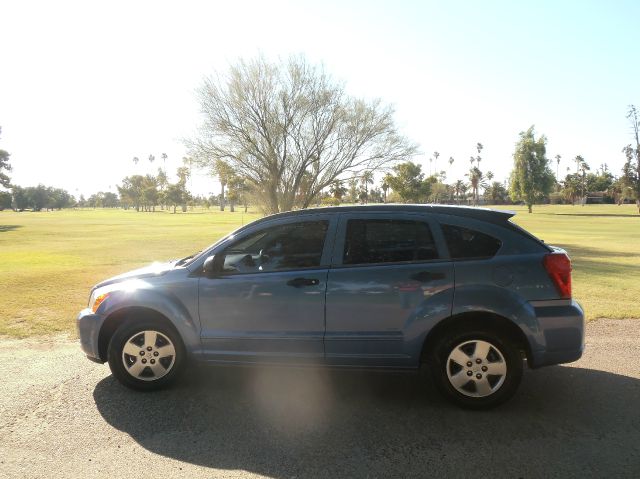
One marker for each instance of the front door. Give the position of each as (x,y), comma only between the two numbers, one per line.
(390,280)
(267,303)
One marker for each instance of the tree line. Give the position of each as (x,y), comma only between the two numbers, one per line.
(285,135)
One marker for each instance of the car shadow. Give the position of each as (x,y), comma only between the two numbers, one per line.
(318,423)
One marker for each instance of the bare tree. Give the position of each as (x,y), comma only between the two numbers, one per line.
(291,131)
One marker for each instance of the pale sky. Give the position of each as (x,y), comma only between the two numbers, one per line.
(86,86)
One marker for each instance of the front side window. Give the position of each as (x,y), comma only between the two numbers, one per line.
(284,247)
(465,243)
(388,241)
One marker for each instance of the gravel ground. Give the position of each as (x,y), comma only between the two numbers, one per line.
(63,416)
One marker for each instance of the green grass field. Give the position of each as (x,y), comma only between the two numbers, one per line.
(50,260)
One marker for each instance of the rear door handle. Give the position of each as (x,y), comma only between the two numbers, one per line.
(426,276)
(301,282)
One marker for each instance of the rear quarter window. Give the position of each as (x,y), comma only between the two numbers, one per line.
(467,243)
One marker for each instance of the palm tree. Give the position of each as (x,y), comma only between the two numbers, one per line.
(366,180)
(164,162)
(436,155)
(471,160)
(579,160)
(223,171)
(557,166)
(477,181)
(479,147)
(459,188)
(135,160)
(385,188)
(451,160)
(584,167)
(152,158)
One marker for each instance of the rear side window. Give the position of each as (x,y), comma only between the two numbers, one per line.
(388,241)
(465,243)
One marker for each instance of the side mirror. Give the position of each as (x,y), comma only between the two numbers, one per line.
(210,266)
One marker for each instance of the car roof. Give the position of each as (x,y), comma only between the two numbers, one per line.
(482,214)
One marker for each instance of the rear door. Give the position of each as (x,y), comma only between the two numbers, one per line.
(390,280)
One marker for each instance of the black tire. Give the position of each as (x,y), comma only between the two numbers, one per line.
(169,369)
(505,385)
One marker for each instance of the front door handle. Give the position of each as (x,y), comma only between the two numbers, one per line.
(300,282)
(426,276)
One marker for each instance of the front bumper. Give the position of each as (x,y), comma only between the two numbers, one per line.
(88,325)
(562,325)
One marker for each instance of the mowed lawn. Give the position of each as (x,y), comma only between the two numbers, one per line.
(50,260)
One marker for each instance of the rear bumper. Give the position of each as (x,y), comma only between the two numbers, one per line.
(562,328)
(88,325)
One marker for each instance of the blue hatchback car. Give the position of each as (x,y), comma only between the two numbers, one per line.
(462,290)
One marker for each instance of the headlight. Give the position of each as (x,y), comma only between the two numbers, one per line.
(97,301)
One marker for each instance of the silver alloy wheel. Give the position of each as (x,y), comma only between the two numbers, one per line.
(476,368)
(148,355)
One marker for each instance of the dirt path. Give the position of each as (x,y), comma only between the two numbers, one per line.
(63,416)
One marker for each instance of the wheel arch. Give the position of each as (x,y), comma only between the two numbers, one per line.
(483,319)
(120,316)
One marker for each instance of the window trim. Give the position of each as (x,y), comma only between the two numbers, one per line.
(341,236)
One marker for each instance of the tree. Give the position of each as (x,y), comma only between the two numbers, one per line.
(583,167)
(496,193)
(224,172)
(284,124)
(408,182)
(337,190)
(5,181)
(150,193)
(5,200)
(571,187)
(175,195)
(235,187)
(136,160)
(152,159)
(131,191)
(353,189)
(459,189)
(164,162)
(477,180)
(385,188)
(531,178)
(19,201)
(558,157)
(631,168)
(479,148)
(366,179)
(161,179)
(436,155)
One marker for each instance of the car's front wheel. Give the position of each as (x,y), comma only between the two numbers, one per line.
(476,369)
(145,354)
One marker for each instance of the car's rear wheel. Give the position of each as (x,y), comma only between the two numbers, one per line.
(476,369)
(146,354)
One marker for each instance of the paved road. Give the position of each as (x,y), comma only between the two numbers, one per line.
(62,416)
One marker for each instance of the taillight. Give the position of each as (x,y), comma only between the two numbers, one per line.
(558,265)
